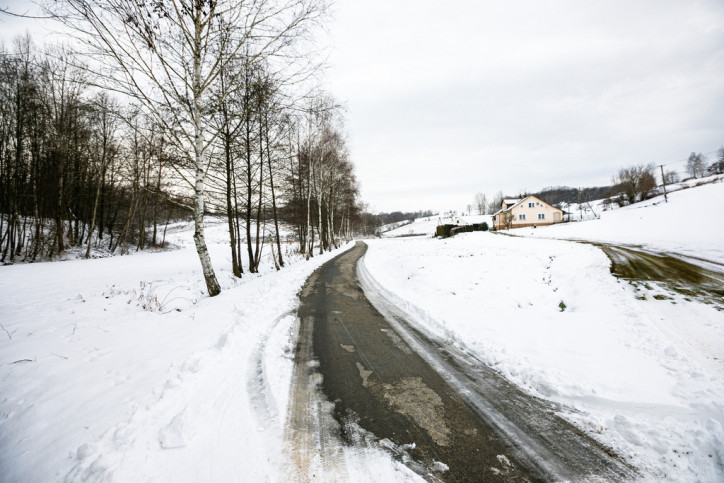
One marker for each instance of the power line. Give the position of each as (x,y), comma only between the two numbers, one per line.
(687,158)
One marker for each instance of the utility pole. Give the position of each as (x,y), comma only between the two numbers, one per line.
(663,179)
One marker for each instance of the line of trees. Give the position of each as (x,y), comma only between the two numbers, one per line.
(216,113)
(638,182)
(66,179)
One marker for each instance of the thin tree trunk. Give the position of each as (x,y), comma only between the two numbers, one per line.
(229,207)
(93,217)
(212,284)
(310,232)
(158,190)
(274,201)
(59,211)
(257,254)
(237,224)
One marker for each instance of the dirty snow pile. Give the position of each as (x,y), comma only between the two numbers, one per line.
(689,224)
(643,375)
(427,225)
(122,369)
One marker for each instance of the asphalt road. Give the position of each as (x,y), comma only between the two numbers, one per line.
(446,414)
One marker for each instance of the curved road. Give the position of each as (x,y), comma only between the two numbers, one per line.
(447,415)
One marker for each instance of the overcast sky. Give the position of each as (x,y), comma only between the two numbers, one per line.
(449,98)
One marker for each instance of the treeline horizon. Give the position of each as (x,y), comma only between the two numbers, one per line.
(76,168)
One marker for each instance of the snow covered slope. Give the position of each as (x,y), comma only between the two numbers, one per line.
(646,377)
(690,223)
(123,369)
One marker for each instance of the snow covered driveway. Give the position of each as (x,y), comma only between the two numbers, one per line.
(549,316)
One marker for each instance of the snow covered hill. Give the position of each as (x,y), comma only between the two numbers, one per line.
(689,224)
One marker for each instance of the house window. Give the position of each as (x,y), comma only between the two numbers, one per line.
(531,205)
(541,216)
(521,217)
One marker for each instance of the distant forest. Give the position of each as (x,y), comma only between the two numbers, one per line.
(386,218)
(565,194)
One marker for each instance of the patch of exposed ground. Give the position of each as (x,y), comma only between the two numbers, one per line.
(412,398)
(640,266)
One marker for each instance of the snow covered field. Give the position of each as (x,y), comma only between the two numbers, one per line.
(122,369)
(646,377)
(689,224)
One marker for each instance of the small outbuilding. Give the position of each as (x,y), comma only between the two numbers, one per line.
(528,211)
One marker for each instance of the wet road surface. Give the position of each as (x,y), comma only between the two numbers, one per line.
(455,417)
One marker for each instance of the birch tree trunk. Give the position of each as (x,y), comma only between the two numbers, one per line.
(212,283)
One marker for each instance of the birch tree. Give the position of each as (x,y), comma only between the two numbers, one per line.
(168,56)
(695,165)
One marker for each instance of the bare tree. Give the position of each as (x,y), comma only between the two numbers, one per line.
(636,181)
(695,165)
(497,203)
(508,220)
(671,176)
(717,167)
(169,56)
(481,203)
(105,130)
(4,10)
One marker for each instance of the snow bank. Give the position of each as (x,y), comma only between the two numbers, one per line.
(689,224)
(123,369)
(549,316)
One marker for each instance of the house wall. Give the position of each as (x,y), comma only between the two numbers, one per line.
(552,215)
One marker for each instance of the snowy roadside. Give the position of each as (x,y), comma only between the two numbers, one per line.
(121,368)
(548,315)
(687,224)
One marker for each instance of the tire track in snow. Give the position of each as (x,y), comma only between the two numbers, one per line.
(314,449)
